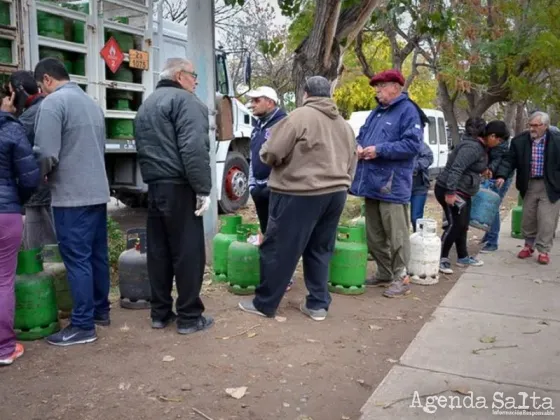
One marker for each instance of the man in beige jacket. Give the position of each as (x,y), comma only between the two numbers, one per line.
(313,157)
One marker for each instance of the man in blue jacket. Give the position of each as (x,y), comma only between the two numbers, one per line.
(264,105)
(388,143)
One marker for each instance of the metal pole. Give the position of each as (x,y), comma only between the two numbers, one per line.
(201,51)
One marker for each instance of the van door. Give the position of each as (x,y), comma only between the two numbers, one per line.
(430,138)
(443,146)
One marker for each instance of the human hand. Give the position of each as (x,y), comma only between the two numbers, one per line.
(450,199)
(202,204)
(369,153)
(499,183)
(360,151)
(487,174)
(8,104)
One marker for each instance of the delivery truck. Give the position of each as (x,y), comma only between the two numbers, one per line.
(114,49)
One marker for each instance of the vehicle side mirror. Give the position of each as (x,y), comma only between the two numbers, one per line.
(247,70)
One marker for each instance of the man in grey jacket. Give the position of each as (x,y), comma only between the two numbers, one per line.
(70,141)
(38,229)
(171,132)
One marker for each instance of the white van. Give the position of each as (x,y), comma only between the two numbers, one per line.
(435,135)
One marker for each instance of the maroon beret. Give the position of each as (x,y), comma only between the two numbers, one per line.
(387,76)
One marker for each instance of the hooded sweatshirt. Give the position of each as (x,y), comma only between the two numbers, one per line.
(312,151)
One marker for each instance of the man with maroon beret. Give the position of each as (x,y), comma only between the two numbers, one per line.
(388,143)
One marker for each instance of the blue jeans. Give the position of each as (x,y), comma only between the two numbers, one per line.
(417,203)
(82,240)
(491,237)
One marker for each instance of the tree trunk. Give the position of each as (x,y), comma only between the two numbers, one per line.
(333,31)
(510,116)
(521,119)
(448,107)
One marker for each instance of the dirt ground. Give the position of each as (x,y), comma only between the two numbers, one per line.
(293,367)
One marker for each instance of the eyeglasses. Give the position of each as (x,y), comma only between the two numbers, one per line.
(535,125)
(192,73)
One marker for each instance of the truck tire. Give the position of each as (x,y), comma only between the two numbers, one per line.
(235,185)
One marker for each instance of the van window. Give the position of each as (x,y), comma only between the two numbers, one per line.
(442,131)
(221,75)
(432,130)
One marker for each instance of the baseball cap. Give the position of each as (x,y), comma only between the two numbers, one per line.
(263,92)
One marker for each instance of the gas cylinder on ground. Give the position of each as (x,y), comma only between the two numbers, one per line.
(53,265)
(425,250)
(221,243)
(243,267)
(348,266)
(516,217)
(485,205)
(134,283)
(36,314)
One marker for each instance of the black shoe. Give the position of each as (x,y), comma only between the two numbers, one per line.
(201,324)
(161,324)
(102,320)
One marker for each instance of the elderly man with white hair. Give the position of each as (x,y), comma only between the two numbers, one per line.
(535,155)
(171,132)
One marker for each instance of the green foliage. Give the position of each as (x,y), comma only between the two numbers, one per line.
(271,48)
(117,244)
(301,25)
(354,92)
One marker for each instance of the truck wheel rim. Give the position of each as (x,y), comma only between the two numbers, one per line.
(236,183)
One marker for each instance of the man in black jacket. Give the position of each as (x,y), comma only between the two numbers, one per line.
(171,132)
(38,228)
(535,155)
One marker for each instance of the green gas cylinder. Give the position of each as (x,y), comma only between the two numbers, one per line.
(125,41)
(121,128)
(58,54)
(221,243)
(49,25)
(516,216)
(5,18)
(6,51)
(348,267)
(36,314)
(243,266)
(53,266)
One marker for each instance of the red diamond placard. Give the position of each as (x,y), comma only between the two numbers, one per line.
(112,54)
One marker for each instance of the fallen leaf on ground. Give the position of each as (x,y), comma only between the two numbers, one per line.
(168,358)
(167,399)
(345,418)
(280,318)
(392,360)
(310,340)
(487,339)
(125,328)
(543,323)
(286,405)
(538,281)
(532,332)
(416,298)
(462,391)
(399,318)
(375,327)
(251,334)
(237,393)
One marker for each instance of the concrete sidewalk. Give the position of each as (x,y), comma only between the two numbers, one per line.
(510,309)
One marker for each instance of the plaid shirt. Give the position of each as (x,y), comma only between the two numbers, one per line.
(537,160)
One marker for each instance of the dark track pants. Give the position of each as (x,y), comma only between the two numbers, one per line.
(298,226)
